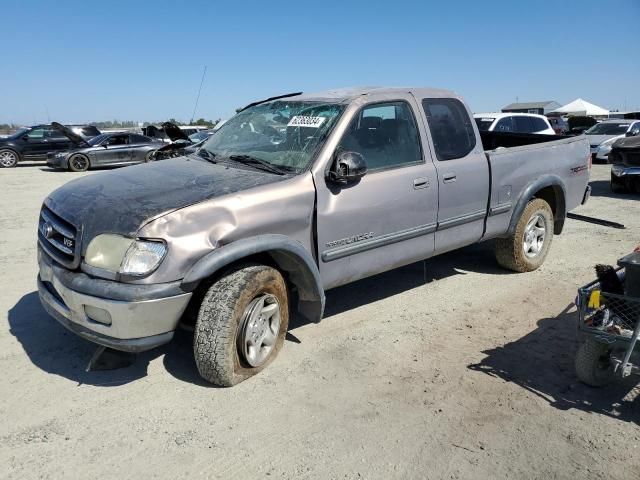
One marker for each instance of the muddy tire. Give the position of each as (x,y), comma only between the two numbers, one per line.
(593,364)
(526,249)
(241,324)
(79,163)
(8,158)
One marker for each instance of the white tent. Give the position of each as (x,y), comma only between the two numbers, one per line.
(581,107)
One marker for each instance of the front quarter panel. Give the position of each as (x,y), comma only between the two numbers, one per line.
(284,208)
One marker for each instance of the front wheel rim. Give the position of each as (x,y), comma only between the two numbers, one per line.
(79,163)
(7,159)
(259,329)
(534,236)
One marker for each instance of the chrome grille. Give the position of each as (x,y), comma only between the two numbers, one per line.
(58,238)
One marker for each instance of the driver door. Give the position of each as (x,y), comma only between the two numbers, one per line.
(387,218)
(114,150)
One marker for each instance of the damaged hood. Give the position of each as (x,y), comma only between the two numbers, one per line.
(121,201)
(627,143)
(74,137)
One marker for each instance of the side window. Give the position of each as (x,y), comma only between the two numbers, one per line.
(36,134)
(451,128)
(385,134)
(538,124)
(118,140)
(504,125)
(523,124)
(137,139)
(54,134)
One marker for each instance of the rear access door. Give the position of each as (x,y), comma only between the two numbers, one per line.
(388,217)
(463,173)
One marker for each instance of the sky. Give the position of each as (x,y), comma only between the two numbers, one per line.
(143,60)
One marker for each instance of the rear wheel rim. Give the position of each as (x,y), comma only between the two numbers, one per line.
(259,329)
(79,162)
(7,159)
(535,234)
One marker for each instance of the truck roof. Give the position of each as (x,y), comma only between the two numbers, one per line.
(349,93)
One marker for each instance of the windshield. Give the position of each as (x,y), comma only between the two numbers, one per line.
(97,140)
(283,133)
(608,128)
(484,123)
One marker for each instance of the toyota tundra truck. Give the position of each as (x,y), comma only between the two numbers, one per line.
(293,196)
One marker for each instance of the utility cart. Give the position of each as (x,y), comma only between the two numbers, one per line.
(610,325)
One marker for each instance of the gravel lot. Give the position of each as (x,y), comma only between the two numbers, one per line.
(449,369)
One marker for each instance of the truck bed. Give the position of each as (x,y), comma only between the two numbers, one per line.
(515,160)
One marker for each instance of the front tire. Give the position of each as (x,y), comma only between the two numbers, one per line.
(527,248)
(241,324)
(593,363)
(8,158)
(79,163)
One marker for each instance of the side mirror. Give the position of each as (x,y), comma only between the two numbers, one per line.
(105,145)
(348,167)
(633,133)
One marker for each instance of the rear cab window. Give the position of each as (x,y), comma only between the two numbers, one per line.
(451,128)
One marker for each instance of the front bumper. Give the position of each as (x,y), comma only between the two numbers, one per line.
(133,324)
(621,171)
(56,162)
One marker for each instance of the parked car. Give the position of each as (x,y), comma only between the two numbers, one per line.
(201,135)
(322,190)
(559,125)
(107,149)
(158,132)
(35,143)
(513,122)
(625,165)
(579,124)
(180,143)
(609,129)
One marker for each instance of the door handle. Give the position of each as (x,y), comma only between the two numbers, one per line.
(421,182)
(449,178)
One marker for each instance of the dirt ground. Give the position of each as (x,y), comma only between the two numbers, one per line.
(447,369)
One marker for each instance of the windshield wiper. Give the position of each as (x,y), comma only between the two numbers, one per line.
(206,154)
(258,163)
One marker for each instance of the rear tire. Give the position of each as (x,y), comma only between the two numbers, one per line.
(79,163)
(526,249)
(241,324)
(593,363)
(8,158)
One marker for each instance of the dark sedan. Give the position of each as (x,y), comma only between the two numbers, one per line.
(107,149)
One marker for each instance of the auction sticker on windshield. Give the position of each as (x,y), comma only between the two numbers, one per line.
(304,121)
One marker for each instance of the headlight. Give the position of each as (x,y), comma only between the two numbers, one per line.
(61,155)
(125,256)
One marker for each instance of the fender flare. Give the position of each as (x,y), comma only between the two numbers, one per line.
(289,256)
(530,191)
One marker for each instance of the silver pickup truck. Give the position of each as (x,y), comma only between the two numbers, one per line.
(293,196)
